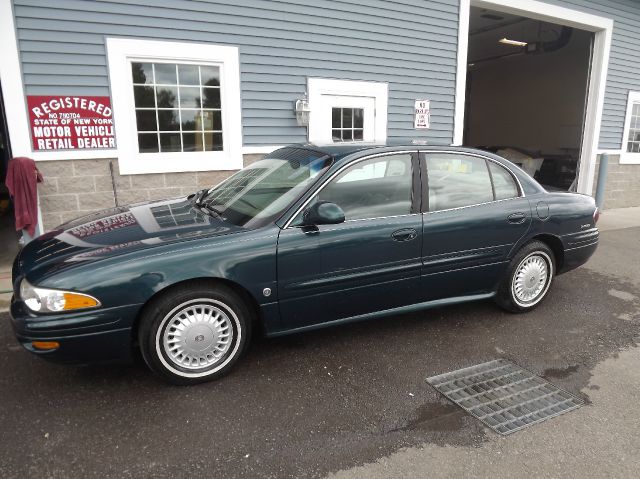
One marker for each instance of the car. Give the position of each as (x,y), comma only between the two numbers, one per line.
(309,236)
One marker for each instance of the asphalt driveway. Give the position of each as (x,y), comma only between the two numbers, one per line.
(317,403)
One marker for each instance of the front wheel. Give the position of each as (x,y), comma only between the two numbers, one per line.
(195,333)
(528,278)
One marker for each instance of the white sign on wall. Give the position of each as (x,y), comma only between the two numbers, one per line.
(422,115)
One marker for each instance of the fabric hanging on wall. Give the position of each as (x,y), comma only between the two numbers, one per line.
(22,181)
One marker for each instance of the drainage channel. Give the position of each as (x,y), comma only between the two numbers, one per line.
(504,396)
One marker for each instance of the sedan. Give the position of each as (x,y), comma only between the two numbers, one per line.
(308,237)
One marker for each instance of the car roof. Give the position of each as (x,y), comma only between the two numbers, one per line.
(341,150)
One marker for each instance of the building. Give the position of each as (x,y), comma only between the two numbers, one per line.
(122,101)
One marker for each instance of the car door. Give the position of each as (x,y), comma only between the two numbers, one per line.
(368,263)
(476,212)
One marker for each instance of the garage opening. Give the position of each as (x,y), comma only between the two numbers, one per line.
(527,86)
(8,235)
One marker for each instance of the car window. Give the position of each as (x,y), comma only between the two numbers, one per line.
(457,180)
(377,169)
(503,183)
(373,188)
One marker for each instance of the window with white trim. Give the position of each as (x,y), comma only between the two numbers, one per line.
(631,135)
(633,138)
(176,106)
(347,124)
(347,111)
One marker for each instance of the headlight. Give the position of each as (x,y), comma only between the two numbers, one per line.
(42,300)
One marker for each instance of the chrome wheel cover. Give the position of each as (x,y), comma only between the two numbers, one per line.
(198,337)
(531,279)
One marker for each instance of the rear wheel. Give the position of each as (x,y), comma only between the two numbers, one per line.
(528,278)
(194,334)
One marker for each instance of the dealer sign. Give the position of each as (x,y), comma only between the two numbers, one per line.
(71,122)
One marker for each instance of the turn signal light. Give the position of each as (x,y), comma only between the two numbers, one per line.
(45,345)
(43,300)
(78,301)
(596,215)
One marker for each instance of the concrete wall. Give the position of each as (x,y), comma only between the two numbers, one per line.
(74,188)
(623,184)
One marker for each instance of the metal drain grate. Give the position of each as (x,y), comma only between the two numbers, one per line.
(504,396)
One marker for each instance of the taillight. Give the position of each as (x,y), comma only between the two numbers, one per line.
(596,215)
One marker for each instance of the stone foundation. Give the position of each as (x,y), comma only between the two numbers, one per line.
(73,188)
(622,189)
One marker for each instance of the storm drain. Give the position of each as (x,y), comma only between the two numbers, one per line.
(504,396)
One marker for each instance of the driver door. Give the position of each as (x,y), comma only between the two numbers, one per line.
(369,263)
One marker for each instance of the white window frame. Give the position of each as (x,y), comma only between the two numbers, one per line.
(317,87)
(121,52)
(627,157)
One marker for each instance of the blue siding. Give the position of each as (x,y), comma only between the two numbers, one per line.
(409,44)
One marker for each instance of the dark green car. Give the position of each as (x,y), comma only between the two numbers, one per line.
(307,237)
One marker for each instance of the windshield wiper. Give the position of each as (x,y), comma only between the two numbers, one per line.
(200,196)
(208,209)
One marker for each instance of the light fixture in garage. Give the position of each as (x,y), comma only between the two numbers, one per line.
(515,43)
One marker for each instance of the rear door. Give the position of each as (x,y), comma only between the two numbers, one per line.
(475,214)
(369,263)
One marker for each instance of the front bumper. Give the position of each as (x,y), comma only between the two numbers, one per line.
(100,335)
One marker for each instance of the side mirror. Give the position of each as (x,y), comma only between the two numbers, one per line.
(323,213)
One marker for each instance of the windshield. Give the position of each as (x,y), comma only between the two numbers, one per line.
(260,193)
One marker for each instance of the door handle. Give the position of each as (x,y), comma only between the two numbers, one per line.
(405,234)
(516,218)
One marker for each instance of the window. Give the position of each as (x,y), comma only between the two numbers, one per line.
(631,138)
(176,106)
(504,186)
(374,188)
(457,180)
(347,124)
(347,111)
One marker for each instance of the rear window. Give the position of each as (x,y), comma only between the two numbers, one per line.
(503,183)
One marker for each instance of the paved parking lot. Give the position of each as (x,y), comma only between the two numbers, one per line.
(351,400)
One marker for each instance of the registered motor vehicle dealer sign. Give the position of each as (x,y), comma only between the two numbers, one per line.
(422,115)
(71,122)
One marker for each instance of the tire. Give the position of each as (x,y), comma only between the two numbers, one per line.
(195,333)
(527,279)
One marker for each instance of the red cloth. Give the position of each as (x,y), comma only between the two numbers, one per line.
(22,180)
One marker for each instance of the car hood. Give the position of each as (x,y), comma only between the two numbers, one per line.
(121,230)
